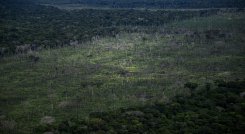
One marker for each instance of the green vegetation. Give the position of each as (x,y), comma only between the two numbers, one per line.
(36,27)
(152,3)
(122,70)
(209,111)
(128,70)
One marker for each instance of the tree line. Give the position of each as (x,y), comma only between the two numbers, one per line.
(153,3)
(34,26)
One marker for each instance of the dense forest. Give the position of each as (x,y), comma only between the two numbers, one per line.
(122,66)
(40,26)
(214,109)
(154,3)
(142,3)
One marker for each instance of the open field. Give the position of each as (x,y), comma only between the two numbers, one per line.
(130,69)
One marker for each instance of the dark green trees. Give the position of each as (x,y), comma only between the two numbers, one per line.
(220,110)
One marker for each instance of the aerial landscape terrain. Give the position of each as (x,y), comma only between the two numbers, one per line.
(122,66)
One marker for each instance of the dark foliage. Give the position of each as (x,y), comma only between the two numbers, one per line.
(192,86)
(209,111)
(50,27)
(153,3)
